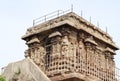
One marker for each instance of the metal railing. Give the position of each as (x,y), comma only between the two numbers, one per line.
(49,16)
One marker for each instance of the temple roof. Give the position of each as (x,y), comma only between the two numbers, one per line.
(75,21)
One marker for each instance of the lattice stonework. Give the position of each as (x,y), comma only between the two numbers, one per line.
(69,44)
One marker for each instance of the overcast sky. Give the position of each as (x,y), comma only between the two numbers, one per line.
(17,15)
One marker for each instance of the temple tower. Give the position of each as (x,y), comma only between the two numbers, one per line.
(69,48)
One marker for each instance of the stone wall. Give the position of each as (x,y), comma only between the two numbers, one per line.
(24,70)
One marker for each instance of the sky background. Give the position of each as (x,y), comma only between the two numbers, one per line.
(17,15)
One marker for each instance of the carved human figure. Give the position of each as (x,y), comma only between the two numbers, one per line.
(65,44)
(40,56)
(58,45)
(81,49)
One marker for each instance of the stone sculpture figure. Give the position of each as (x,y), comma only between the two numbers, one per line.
(42,56)
(65,46)
(81,50)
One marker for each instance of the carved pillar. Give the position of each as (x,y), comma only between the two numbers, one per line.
(91,57)
(110,66)
(55,54)
(81,54)
(65,52)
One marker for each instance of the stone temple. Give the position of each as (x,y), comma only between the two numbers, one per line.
(65,48)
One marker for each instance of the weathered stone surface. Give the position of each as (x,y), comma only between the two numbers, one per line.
(66,48)
(75,21)
(24,70)
(69,48)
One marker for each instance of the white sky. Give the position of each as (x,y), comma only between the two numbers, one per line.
(17,15)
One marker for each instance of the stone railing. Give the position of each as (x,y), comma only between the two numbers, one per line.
(59,65)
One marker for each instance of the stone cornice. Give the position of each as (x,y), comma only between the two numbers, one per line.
(75,21)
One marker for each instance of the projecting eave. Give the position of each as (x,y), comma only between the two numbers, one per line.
(37,31)
(75,21)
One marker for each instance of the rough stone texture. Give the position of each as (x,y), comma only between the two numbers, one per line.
(24,70)
(66,48)
(75,21)
(69,48)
